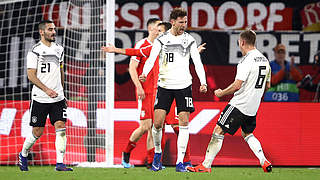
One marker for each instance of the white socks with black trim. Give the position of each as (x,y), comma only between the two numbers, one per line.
(157,136)
(256,148)
(182,142)
(213,149)
(61,142)
(28,143)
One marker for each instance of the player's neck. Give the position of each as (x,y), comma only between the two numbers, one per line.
(47,43)
(174,32)
(249,48)
(151,38)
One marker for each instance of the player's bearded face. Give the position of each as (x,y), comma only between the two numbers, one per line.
(50,33)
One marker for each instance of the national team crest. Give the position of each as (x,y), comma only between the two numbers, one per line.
(184,42)
(34,119)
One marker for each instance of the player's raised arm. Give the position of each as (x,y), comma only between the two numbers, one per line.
(152,58)
(198,66)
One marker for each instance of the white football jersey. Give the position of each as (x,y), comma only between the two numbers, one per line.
(174,55)
(47,62)
(254,70)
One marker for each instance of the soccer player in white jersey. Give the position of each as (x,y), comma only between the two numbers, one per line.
(252,80)
(45,71)
(174,48)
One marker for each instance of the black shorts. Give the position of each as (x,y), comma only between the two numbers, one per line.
(183,99)
(231,119)
(39,112)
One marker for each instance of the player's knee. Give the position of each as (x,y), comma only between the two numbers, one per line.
(59,125)
(157,125)
(218,130)
(37,131)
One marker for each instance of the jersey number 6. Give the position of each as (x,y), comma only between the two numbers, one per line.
(261,77)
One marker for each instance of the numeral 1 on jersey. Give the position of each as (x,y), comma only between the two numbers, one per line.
(169,57)
(261,77)
(45,67)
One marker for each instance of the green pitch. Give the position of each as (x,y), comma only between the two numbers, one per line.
(141,173)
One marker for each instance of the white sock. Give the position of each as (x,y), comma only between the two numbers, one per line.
(28,143)
(213,149)
(182,142)
(157,136)
(61,142)
(256,148)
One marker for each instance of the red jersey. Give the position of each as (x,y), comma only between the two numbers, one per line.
(150,83)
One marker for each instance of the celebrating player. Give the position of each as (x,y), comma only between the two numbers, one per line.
(252,80)
(45,71)
(174,49)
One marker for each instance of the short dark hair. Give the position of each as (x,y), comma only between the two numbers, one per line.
(42,24)
(178,12)
(166,25)
(249,36)
(152,20)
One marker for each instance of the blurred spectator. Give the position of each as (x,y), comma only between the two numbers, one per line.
(284,77)
(309,82)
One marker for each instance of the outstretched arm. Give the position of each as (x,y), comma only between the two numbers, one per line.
(142,52)
(235,86)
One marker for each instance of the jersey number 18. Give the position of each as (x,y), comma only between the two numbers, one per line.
(169,57)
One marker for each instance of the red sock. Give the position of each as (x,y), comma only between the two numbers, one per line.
(150,154)
(131,145)
(187,155)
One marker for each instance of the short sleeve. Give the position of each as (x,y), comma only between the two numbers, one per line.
(32,60)
(243,70)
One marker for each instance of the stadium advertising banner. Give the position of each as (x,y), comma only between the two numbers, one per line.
(287,138)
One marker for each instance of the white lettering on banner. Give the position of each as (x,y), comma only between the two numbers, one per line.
(314,44)
(207,8)
(310,11)
(199,121)
(273,17)
(26,129)
(14,61)
(234,49)
(229,5)
(126,42)
(256,19)
(128,17)
(6,120)
(136,23)
(290,41)
(147,8)
(77,117)
(83,49)
(265,43)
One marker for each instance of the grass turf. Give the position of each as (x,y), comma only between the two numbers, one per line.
(141,173)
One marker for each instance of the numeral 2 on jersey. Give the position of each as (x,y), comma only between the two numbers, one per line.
(169,57)
(45,67)
(261,77)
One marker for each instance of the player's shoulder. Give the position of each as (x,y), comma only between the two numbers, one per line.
(163,36)
(58,45)
(188,35)
(141,43)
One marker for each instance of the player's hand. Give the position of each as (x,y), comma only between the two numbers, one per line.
(51,93)
(109,49)
(142,78)
(203,88)
(201,48)
(140,92)
(218,93)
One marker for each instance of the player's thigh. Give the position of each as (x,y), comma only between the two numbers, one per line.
(38,113)
(248,124)
(184,100)
(146,111)
(58,112)
(230,119)
(164,99)
(172,117)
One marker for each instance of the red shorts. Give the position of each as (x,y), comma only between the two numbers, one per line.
(172,117)
(146,105)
